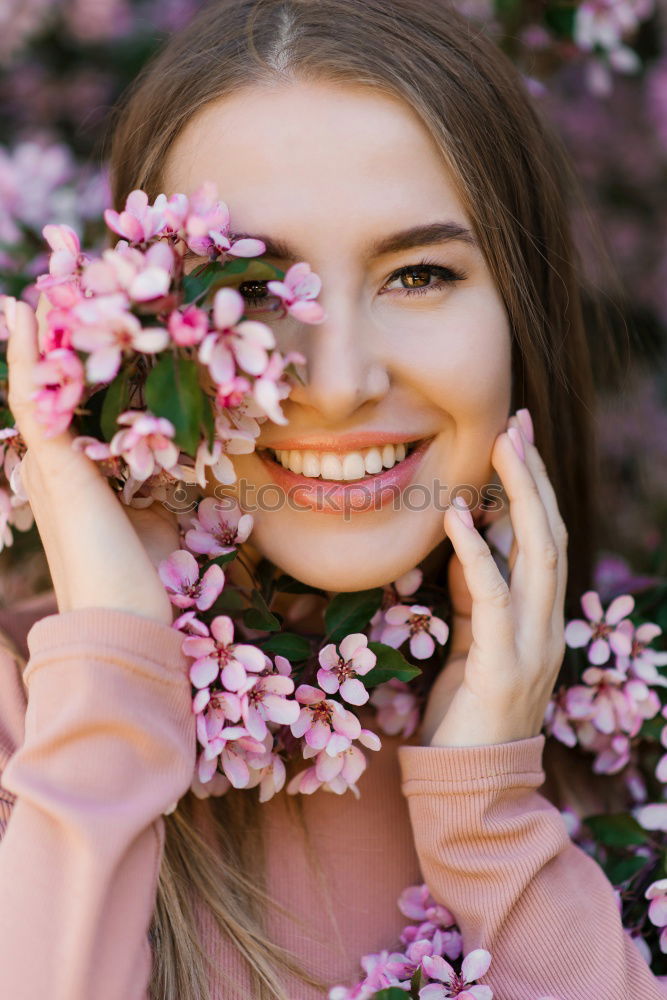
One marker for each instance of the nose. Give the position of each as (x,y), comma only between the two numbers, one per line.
(344,369)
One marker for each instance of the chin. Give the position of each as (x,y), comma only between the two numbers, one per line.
(350,556)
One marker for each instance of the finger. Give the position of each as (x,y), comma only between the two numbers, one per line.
(22,358)
(461,608)
(547,493)
(491,612)
(535,568)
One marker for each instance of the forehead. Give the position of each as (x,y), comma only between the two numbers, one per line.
(326,160)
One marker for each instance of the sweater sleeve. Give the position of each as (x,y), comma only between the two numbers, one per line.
(499,856)
(108,745)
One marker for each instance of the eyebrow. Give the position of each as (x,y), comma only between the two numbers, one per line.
(406,239)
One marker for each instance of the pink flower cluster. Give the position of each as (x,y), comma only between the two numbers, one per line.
(128,306)
(600,26)
(604,712)
(248,713)
(426,941)
(396,623)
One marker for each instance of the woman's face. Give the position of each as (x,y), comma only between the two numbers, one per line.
(339,176)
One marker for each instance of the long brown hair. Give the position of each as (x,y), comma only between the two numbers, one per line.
(513,178)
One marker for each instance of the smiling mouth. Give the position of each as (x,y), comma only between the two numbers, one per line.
(345,467)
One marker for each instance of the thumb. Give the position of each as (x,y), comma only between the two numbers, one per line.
(461,605)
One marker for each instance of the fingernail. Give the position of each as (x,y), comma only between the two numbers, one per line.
(526,424)
(515,438)
(9,306)
(463,512)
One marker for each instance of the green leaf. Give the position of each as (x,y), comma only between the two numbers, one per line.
(390,663)
(417,981)
(293,647)
(616,829)
(202,284)
(289,585)
(4,370)
(263,623)
(221,560)
(391,993)
(116,399)
(350,612)
(173,391)
(651,728)
(208,422)
(259,616)
(229,602)
(619,870)
(560,19)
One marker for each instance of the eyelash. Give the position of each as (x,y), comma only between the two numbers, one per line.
(446,275)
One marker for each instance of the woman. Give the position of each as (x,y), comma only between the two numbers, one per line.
(397,153)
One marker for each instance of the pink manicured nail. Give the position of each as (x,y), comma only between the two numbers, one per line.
(515,438)
(463,512)
(526,424)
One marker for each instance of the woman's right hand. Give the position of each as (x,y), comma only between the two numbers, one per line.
(96,556)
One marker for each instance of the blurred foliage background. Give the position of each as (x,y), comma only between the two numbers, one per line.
(597,68)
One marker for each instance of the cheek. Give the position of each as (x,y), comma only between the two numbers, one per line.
(457,353)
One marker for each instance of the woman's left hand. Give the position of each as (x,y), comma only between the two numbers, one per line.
(507,641)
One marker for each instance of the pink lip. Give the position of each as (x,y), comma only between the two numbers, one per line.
(341,442)
(328,496)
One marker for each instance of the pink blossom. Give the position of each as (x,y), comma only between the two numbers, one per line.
(66,260)
(180,575)
(207,227)
(417,903)
(340,669)
(643,661)
(234,342)
(146,443)
(188,327)
(140,276)
(270,387)
(217,653)
(117,333)
(417,623)
(216,530)
(139,221)
(60,376)
(297,290)
(398,708)
(263,699)
(657,911)
(266,770)
(474,965)
(404,586)
(231,394)
(611,701)
(601,629)
(323,722)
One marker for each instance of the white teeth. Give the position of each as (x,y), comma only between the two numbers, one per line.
(295,460)
(331,466)
(342,466)
(373,460)
(353,466)
(311,464)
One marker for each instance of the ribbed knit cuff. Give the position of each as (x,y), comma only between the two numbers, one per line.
(518,762)
(109,631)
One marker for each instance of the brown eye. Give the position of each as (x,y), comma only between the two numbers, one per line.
(253,291)
(417,278)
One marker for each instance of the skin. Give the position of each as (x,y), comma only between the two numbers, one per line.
(436,363)
(331,167)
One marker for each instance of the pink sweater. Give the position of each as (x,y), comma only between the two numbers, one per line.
(105,743)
